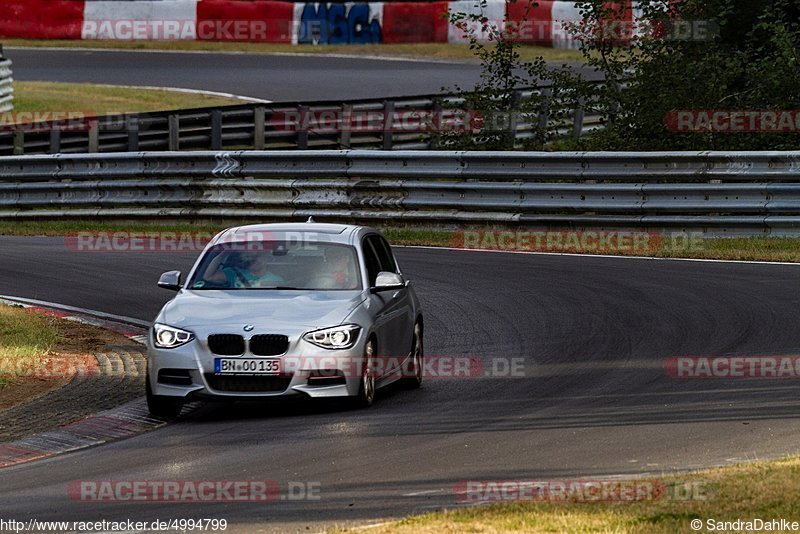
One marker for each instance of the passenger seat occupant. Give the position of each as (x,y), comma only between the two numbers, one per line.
(341,267)
(242,270)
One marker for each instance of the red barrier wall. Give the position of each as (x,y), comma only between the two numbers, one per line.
(535,21)
(274,18)
(415,23)
(41,19)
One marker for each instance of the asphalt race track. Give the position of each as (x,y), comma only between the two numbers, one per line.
(279,78)
(270,77)
(595,401)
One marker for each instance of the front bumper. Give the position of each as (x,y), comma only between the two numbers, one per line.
(188,372)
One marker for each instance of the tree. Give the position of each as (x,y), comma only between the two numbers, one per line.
(494,108)
(702,59)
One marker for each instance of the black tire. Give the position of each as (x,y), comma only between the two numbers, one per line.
(414,367)
(366,388)
(162,406)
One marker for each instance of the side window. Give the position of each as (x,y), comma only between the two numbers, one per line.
(385,257)
(371,260)
(392,264)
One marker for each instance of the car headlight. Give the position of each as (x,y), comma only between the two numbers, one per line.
(338,337)
(168,337)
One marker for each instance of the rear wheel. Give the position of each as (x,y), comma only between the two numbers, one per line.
(366,386)
(162,406)
(413,370)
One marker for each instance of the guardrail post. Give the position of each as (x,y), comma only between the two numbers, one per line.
(388,119)
(216,129)
(174,132)
(345,126)
(302,128)
(259,127)
(513,116)
(55,140)
(577,119)
(133,133)
(19,143)
(436,111)
(544,113)
(615,107)
(94,136)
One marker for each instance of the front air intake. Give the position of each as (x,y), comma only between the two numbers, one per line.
(249,384)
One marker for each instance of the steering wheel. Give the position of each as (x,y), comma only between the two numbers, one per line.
(239,276)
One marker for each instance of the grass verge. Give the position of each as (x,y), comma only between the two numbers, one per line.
(442,51)
(23,335)
(102,99)
(783,249)
(763,490)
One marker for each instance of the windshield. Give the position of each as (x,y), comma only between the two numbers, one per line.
(278,265)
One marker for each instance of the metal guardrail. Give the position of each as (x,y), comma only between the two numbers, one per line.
(713,192)
(262,127)
(6,86)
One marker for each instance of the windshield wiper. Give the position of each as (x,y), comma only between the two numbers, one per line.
(282,287)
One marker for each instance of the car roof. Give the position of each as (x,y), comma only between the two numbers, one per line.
(258,231)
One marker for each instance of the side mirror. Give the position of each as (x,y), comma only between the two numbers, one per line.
(387,281)
(170,280)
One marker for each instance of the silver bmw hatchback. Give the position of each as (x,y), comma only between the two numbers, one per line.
(286,310)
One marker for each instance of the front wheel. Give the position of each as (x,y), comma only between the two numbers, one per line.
(366,388)
(413,371)
(162,406)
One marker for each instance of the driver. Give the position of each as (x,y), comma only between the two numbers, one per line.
(242,270)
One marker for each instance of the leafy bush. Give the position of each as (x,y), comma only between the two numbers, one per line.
(690,56)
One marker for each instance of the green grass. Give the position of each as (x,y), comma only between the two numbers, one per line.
(23,336)
(444,51)
(766,490)
(785,249)
(742,249)
(60,228)
(754,248)
(101,100)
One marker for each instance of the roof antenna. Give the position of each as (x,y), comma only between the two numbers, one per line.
(310,220)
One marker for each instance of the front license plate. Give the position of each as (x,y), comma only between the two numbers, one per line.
(246,366)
